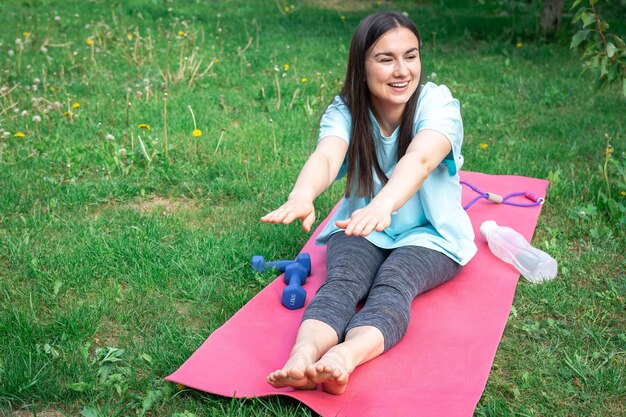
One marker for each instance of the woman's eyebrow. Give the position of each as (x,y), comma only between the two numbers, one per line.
(391,54)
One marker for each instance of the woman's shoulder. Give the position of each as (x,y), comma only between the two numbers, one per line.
(338,107)
(339,103)
(432,93)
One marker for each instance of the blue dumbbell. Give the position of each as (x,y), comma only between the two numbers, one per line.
(293,294)
(260,266)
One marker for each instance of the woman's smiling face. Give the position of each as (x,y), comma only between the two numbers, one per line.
(392,69)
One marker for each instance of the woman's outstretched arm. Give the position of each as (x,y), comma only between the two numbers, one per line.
(426,151)
(317,175)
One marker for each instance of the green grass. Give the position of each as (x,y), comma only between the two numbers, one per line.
(115,267)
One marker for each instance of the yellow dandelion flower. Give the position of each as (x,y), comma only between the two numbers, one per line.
(75,105)
(130,36)
(622,193)
(286,67)
(286,8)
(304,80)
(26,34)
(197,133)
(483,146)
(609,150)
(53,90)
(216,60)
(68,113)
(89,41)
(181,34)
(519,44)
(19,134)
(143,126)
(342,17)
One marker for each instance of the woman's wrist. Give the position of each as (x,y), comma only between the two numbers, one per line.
(302,194)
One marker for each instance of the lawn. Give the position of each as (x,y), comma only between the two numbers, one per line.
(141,141)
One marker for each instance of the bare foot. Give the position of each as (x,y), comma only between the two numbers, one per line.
(292,374)
(332,371)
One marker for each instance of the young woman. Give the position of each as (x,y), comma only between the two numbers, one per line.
(400,229)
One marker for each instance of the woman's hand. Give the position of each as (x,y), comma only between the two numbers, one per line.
(374,216)
(295,208)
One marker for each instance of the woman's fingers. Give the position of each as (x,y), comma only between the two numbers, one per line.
(289,212)
(308,221)
(363,222)
(275,216)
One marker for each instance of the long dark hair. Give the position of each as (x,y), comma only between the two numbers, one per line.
(362,160)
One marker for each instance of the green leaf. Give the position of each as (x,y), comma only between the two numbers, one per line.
(79,386)
(603,66)
(89,412)
(576,3)
(624,87)
(580,36)
(619,43)
(587,18)
(150,400)
(57,286)
(610,49)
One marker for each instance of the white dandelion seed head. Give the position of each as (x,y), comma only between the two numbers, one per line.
(24,113)
(6,134)
(10,52)
(122,151)
(57,18)
(18,41)
(109,137)
(36,118)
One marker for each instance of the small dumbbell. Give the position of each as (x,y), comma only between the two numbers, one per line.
(260,266)
(293,294)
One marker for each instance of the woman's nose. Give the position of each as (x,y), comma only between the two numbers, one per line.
(400,68)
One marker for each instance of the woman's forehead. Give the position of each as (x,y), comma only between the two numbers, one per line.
(395,40)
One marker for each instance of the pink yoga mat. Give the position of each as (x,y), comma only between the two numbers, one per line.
(441,366)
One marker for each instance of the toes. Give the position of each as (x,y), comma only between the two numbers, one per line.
(342,379)
(311,371)
(295,373)
(323,369)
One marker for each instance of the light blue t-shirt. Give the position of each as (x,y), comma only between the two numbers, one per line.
(434,217)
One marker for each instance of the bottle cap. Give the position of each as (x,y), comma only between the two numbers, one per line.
(487,227)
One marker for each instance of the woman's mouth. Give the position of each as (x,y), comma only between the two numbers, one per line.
(399,87)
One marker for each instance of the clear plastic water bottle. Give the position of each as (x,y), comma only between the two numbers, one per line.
(507,244)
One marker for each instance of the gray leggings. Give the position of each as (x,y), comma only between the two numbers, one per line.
(389,278)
